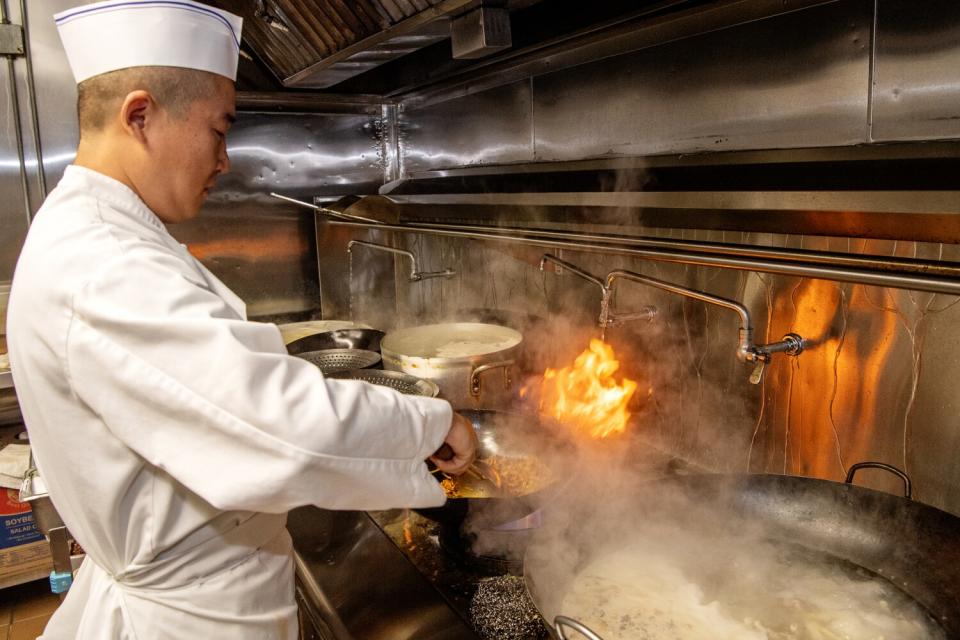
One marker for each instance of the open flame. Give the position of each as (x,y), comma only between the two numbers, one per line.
(585,397)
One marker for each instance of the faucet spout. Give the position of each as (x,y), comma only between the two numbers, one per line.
(745,348)
(415,274)
(747,351)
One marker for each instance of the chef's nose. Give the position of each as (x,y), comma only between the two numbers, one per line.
(223,162)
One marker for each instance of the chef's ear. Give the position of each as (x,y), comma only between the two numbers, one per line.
(138,109)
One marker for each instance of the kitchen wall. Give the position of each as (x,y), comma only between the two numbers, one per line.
(259,246)
(877,379)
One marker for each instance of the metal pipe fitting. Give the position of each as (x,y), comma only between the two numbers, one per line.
(415,274)
(604,319)
(871,270)
(572,269)
(792,344)
(607,317)
(336,215)
(746,351)
(647,313)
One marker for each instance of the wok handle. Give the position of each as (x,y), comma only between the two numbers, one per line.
(907,486)
(563,621)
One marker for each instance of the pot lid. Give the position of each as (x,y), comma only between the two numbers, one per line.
(450,340)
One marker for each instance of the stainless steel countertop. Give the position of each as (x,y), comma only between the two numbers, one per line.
(361,585)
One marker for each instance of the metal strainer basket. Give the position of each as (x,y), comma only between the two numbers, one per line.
(333,360)
(402,382)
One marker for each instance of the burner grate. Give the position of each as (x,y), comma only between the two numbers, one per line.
(501,609)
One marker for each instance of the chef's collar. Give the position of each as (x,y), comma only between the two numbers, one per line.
(114,192)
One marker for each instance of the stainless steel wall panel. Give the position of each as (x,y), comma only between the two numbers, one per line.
(262,247)
(492,127)
(916,78)
(876,381)
(56,90)
(932,435)
(302,155)
(795,80)
(13,217)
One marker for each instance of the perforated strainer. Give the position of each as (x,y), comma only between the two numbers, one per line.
(402,382)
(333,360)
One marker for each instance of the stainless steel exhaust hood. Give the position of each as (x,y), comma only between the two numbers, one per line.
(315,44)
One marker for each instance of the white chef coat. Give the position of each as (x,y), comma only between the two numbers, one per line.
(174,435)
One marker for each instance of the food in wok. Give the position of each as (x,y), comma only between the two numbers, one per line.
(515,476)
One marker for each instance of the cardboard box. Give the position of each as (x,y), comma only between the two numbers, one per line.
(24,552)
(16,521)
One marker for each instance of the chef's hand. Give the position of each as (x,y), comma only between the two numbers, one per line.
(462,439)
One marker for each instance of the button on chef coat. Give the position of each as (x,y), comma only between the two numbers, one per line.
(174,435)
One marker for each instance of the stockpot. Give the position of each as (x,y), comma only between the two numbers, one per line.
(472,363)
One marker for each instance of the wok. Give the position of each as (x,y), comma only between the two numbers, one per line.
(915,545)
(366,339)
(508,435)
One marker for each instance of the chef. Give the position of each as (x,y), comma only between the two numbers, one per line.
(172,433)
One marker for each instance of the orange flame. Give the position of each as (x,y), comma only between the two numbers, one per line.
(585,396)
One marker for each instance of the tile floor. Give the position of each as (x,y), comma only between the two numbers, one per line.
(25,609)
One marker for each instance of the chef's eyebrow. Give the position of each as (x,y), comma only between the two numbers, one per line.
(230,117)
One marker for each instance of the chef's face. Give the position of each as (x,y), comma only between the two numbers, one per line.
(188,151)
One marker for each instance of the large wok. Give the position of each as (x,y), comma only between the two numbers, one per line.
(915,545)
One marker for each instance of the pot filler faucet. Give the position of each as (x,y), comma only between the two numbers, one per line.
(415,274)
(607,317)
(791,344)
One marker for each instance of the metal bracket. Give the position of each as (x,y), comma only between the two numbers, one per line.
(11,40)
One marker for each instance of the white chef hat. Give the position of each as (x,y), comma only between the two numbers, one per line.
(118,34)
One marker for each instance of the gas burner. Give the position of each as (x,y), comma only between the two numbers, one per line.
(491,553)
(468,569)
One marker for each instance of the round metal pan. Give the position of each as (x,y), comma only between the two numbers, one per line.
(396,380)
(293,331)
(888,535)
(333,360)
(366,339)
